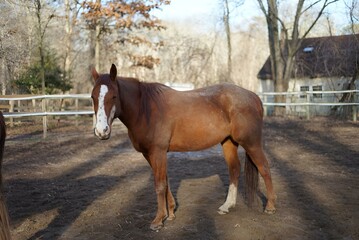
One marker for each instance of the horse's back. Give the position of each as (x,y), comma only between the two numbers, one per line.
(204,117)
(228,98)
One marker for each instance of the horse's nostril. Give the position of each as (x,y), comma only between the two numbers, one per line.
(106,129)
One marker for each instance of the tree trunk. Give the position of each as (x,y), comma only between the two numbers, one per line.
(41,45)
(68,43)
(97,42)
(97,48)
(3,76)
(228,36)
(347,97)
(277,63)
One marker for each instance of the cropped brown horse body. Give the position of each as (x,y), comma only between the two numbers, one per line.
(4,219)
(160,119)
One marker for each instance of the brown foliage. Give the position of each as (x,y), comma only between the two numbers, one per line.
(144,61)
(121,14)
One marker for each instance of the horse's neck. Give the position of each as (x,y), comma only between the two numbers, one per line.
(129,101)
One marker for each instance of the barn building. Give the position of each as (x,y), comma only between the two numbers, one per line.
(321,64)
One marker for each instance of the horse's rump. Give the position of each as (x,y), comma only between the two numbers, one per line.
(205,117)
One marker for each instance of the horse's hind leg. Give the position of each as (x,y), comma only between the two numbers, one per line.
(231,156)
(258,157)
(171,203)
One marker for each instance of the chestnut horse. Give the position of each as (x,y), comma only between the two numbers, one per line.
(4,218)
(160,119)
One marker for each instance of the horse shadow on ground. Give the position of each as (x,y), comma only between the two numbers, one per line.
(197,167)
(45,195)
(322,222)
(58,193)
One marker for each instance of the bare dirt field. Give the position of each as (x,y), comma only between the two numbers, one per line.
(74,186)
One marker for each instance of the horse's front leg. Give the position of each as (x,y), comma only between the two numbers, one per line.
(158,161)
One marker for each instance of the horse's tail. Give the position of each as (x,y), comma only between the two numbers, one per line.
(251,180)
(4,218)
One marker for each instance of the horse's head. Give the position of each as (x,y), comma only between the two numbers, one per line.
(105,96)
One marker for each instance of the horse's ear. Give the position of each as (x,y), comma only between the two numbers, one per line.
(113,72)
(94,74)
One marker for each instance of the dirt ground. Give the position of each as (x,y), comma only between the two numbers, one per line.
(74,186)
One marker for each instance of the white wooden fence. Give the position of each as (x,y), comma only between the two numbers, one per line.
(306,101)
(46,109)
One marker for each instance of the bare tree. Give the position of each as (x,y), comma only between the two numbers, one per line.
(72,9)
(228,7)
(12,56)
(353,16)
(43,19)
(284,45)
(227,27)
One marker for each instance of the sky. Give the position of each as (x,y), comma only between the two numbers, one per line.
(206,10)
(209,11)
(180,9)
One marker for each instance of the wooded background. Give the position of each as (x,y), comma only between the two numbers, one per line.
(49,46)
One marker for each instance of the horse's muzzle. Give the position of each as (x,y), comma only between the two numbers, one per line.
(102,136)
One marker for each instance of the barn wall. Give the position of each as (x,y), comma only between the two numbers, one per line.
(311,84)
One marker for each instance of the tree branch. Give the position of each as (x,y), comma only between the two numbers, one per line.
(326,4)
(261,6)
(310,6)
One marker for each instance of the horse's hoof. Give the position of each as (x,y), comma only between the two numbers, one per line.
(270,211)
(222,212)
(171,217)
(156,227)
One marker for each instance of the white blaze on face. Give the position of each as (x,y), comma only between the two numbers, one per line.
(102,128)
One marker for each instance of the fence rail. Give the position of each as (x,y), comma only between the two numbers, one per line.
(307,99)
(45,111)
(43,114)
(55,96)
(308,92)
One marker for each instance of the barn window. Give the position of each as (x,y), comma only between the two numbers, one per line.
(308,49)
(317,88)
(303,89)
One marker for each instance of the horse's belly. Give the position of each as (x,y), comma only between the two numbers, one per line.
(197,135)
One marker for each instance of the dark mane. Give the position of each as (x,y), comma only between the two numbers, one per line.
(150,93)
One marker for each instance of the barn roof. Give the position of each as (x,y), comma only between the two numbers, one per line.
(333,56)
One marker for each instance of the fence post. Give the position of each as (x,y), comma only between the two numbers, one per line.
(265,99)
(77,109)
(44,118)
(308,106)
(12,103)
(355,108)
(285,107)
(33,101)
